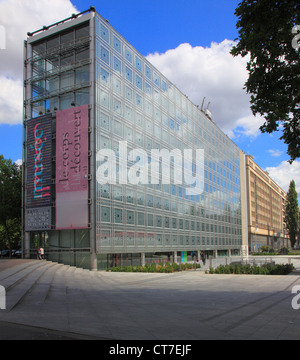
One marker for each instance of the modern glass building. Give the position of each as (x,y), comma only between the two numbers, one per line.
(136,172)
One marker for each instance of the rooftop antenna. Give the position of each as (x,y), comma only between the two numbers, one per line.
(202,104)
(207,112)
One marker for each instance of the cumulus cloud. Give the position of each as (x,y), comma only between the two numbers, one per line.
(213,73)
(11,98)
(275,153)
(18,17)
(284,173)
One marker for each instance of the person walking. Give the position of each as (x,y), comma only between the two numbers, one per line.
(40,253)
(203,258)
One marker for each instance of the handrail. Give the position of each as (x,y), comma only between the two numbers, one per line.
(74,16)
(59,50)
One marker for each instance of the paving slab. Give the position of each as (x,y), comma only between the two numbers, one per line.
(62,302)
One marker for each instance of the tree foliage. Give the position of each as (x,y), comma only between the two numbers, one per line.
(265,34)
(292,213)
(10,203)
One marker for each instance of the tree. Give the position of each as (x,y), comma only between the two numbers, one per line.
(291,218)
(266,35)
(10,202)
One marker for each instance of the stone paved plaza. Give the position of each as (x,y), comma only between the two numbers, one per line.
(53,301)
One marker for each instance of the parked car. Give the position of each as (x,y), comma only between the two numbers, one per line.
(18,253)
(4,253)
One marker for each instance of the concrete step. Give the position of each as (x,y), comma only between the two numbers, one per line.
(56,294)
(19,284)
(37,294)
(15,270)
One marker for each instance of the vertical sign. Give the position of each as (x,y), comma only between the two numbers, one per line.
(183,256)
(39,174)
(72,168)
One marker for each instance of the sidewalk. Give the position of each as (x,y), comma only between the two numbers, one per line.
(47,300)
(12,331)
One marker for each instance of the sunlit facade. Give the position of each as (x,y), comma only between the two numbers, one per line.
(266,209)
(132,106)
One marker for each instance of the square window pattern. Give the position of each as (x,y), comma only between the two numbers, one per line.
(117,65)
(137,104)
(117,44)
(128,55)
(104,55)
(130,217)
(105,214)
(104,33)
(118,216)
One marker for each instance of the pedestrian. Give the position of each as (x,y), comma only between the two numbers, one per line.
(203,258)
(42,253)
(38,253)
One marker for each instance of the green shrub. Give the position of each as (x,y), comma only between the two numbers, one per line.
(160,268)
(146,268)
(139,268)
(266,269)
(175,267)
(116,268)
(153,267)
(236,269)
(211,270)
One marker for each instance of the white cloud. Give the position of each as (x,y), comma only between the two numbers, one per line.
(21,16)
(11,99)
(275,153)
(215,74)
(284,173)
(18,17)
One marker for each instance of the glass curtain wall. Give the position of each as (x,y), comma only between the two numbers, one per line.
(60,71)
(137,104)
(60,79)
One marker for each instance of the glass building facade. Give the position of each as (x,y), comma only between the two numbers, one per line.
(133,107)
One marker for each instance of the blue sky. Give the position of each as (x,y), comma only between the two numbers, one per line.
(187,40)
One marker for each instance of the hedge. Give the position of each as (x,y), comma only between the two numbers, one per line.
(266,269)
(155,268)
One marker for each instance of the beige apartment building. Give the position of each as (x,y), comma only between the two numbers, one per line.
(265,201)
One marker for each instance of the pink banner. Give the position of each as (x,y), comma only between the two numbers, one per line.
(72,168)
